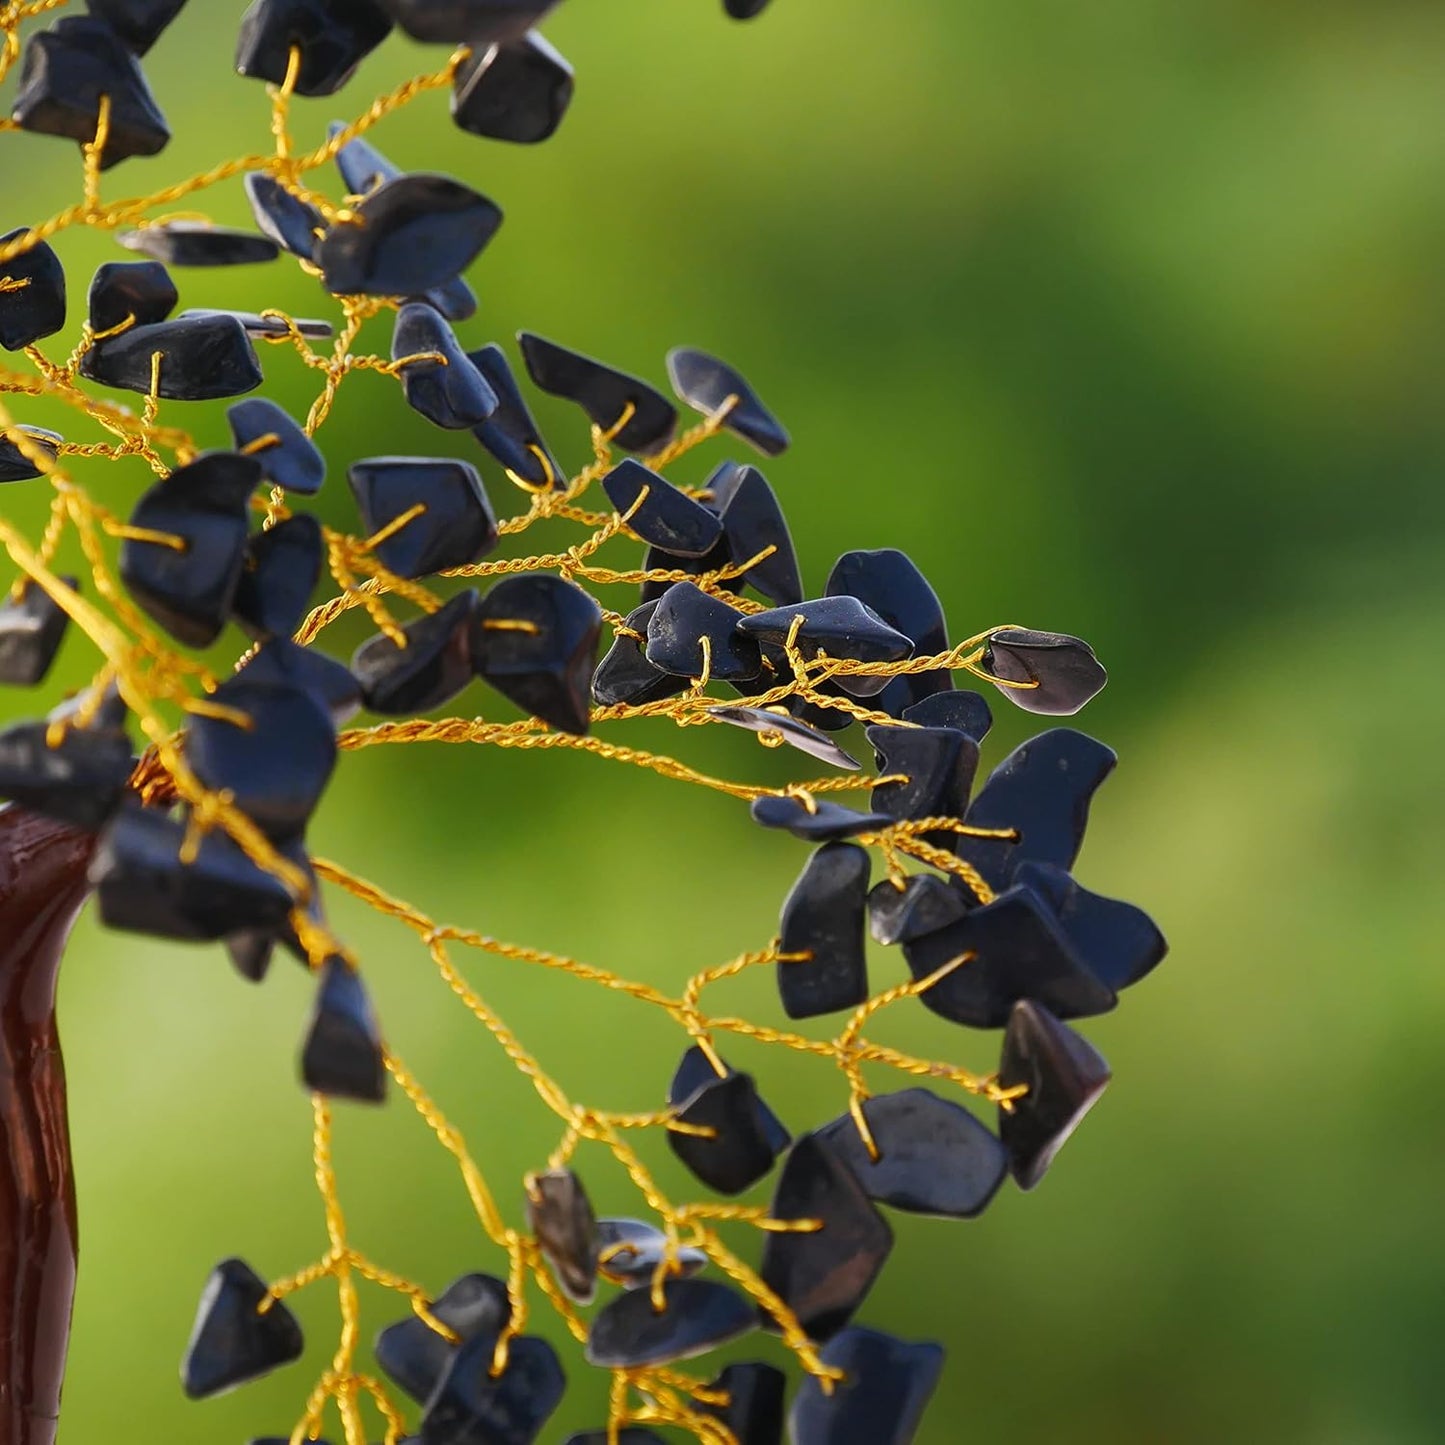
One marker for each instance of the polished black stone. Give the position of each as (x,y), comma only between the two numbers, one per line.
(414,1356)
(665,517)
(625,676)
(1065,668)
(342,1055)
(32,627)
(782,725)
(968,712)
(292,460)
(698,1315)
(203,357)
(256,324)
(454,299)
(888,582)
(333,36)
(475,22)
(629,1252)
(1020,951)
(293,224)
(251,949)
(283,566)
(628,1435)
(602,392)
(837,626)
(32,294)
(885,1389)
(745,9)
(823,918)
(695,1072)
(705,383)
(139,23)
(939,764)
(121,289)
(752,522)
(535,640)
(232,1341)
(924,904)
(934,1157)
(15,466)
(410,234)
(560,1215)
(686,614)
(823,1275)
(823,823)
(457,528)
(433,667)
(81,780)
(1065,1075)
(510,433)
(754,1411)
(741,1147)
(198,243)
(282,663)
(66,71)
(445,387)
(656,560)
(515,92)
(363,168)
(471,1407)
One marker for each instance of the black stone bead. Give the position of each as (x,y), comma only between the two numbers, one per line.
(292,460)
(414,1356)
(510,433)
(823,823)
(628,1435)
(138,23)
(342,1056)
(560,1215)
(457,527)
(15,466)
(66,71)
(363,168)
(968,712)
(1019,951)
(293,224)
(203,357)
(1065,669)
(280,662)
(408,235)
(939,764)
(881,1398)
(752,522)
(823,919)
(823,1275)
(32,294)
(1065,1075)
(431,669)
(454,299)
(698,1315)
(888,582)
(781,725)
(741,1147)
(442,384)
(471,1407)
(515,92)
(705,383)
(122,289)
(744,9)
(333,36)
(838,626)
(535,639)
(283,566)
(629,1252)
(198,243)
(666,517)
(686,614)
(602,392)
(754,1411)
(625,676)
(696,1072)
(934,1157)
(924,904)
(81,780)
(232,1341)
(478,23)
(253,323)
(656,560)
(32,627)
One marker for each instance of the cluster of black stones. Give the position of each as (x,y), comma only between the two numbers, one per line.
(1042,949)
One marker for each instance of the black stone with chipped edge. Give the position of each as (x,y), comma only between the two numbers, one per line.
(15,466)
(841,627)
(333,36)
(198,243)
(82,779)
(740,1147)
(283,566)
(797,735)
(939,764)
(433,668)
(139,23)
(32,627)
(684,615)
(415,1357)
(825,822)
(756,1393)
(696,1071)
(630,1251)
(880,1400)
(254,323)
(924,904)
(475,22)
(969,712)
(293,460)
(823,917)
(518,91)
(1065,668)
(122,289)
(232,1340)
(889,582)
(510,434)
(560,1215)
(441,383)
(752,522)
(659,513)
(32,293)
(204,357)
(293,224)
(625,676)
(698,1315)
(457,528)
(472,1407)
(705,383)
(281,662)
(342,1055)
(656,560)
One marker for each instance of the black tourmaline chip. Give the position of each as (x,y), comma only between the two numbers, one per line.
(123,289)
(967,711)
(251,949)
(189,586)
(696,1071)
(824,822)
(333,36)
(474,22)
(754,1411)
(509,433)
(656,560)
(456,528)
(255,324)
(881,1398)
(408,235)
(823,919)
(198,243)
(283,566)
(139,23)
(559,1214)
(924,904)
(15,466)
(783,726)
(934,1157)
(698,1315)
(472,1407)
(203,357)
(67,69)
(744,1134)
(625,676)
(1064,668)
(603,393)
(342,1056)
(685,615)
(629,1252)
(233,1341)
(665,517)
(82,779)
(939,764)
(1065,1075)
(288,457)
(293,224)
(753,522)
(838,626)
(744,9)
(628,1435)
(282,663)
(535,640)
(363,168)
(823,1275)
(431,669)
(32,294)
(705,383)
(415,1356)
(1019,951)
(32,627)
(441,382)
(517,92)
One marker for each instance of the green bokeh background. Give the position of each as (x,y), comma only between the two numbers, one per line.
(1124,320)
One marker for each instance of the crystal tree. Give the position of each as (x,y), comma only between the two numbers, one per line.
(202,837)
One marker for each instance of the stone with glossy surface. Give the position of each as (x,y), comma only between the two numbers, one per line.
(139,23)
(287,220)
(472,1407)
(659,513)
(32,293)
(232,1342)
(15,466)
(342,1055)
(474,22)
(283,566)
(924,904)
(518,91)
(292,460)
(625,676)
(1065,669)
(684,615)
(81,780)
(510,434)
(825,822)
(279,662)
(123,289)
(939,765)
(32,627)
(784,727)
(754,1411)
(656,560)
(203,357)
(560,1215)
(838,626)
(698,1315)
(415,1357)
(198,243)
(696,1071)
(740,1148)
(823,919)
(363,168)
(705,383)
(457,528)
(889,582)
(433,668)
(968,712)
(441,383)
(885,1389)
(629,1252)
(333,36)
(254,323)
(753,522)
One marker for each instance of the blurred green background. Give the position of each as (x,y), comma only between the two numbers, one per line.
(1124,320)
